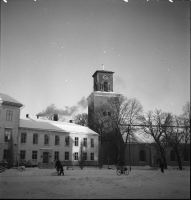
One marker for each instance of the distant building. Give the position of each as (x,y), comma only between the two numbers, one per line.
(43,141)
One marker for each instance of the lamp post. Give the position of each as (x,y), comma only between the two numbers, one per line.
(129,150)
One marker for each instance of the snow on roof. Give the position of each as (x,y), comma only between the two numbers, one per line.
(138,137)
(55,126)
(6,98)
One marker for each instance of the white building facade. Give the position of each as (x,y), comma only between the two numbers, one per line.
(43,141)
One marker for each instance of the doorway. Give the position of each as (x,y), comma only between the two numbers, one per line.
(45,157)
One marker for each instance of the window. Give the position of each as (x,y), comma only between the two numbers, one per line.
(92,156)
(22,154)
(46,139)
(23,137)
(76,156)
(106,86)
(8,133)
(9,115)
(186,155)
(85,156)
(109,113)
(92,142)
(142,156)
(57,140)
(104,113)
(76,141)
(85,142)
(56,155)
(35,138)
(67,140)
(34,155)
(5,155)
(172,155)
(66,155)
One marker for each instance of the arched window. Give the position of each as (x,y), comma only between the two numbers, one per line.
(186,155)
(172,155)
(106,86)
(142,156)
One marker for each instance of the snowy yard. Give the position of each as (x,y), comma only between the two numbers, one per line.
(91,182)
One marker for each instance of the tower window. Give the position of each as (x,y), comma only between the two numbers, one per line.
(106,86)
(104,113)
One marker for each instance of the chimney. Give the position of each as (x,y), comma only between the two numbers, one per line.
(37,116)
(27,115)
(55,117)
(71,121)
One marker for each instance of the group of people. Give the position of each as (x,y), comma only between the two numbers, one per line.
(59,167)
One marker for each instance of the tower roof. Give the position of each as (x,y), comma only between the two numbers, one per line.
(103,71)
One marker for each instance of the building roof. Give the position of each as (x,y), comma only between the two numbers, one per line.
(103,71)
(56,126)
(6,99)
(138,137)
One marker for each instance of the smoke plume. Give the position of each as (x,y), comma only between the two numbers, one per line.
(67,111)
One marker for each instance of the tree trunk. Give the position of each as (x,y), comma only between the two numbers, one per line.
(178,160)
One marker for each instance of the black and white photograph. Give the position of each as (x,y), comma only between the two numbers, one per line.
(95,99)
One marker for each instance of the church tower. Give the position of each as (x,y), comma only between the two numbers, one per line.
(102,92)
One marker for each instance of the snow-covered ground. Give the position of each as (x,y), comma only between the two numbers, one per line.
(91,182)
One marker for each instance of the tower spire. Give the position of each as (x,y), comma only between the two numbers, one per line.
(103,66)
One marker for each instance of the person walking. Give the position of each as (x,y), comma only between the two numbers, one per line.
(162,167)
(57,165)
(61,170)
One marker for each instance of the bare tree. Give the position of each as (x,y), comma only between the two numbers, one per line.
(100,125)
(153,125)
(176,136)
(81,119)
(178,133)
(127,112)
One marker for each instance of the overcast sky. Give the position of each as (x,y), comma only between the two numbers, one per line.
(51,48)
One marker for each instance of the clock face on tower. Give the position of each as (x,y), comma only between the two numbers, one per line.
(105,77)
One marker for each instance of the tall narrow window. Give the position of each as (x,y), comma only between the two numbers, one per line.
(22,154)
(85,156)
(67,141)
(76,141)
(92,142)
(8,133)
(35,138)
(46,139)
(57,140)
(76,156)
(172,155)
(106,86)
(56,155)
(85,142)
(66,155)
(23,137)
(9,115)
(92,156)
(142,156)
(5,155)
(34,155)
